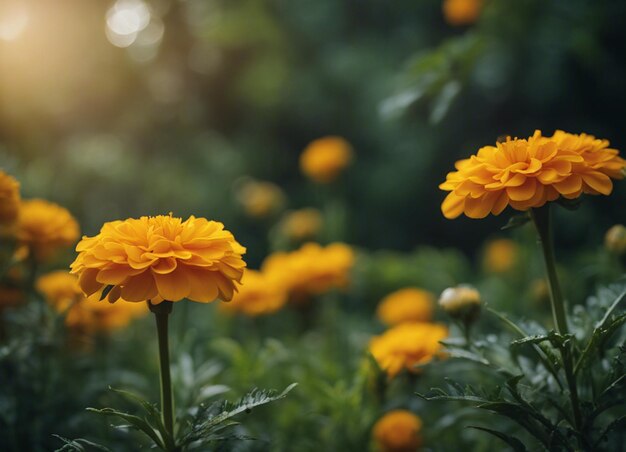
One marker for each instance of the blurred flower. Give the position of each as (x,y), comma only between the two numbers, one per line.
(260,199)
(528,173)
(406,305)
(9,198)
(10,296)
(312,269)
(44,227)
(407,345)
(259,294)
(500,256)
(301,224)
(161,258)
(540,292)
(398,431)
(325,158)
(462,12)
(461,302)
(85,314)
(615,239)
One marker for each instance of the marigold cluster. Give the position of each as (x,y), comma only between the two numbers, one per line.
(44,227)
(398,431)
(312,269)
(9,198)
(462,12)
(325,158)
(406,305)
(260,293)
(406,346)
(86,314)
(161,258)
(528,173)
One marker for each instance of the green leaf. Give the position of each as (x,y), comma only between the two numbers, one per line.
(516,221)
(617,424)
(78,445)
(135,421)
(515,443)
(601,334)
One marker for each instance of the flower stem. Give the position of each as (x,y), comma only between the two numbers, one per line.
(162,312)
(542,220)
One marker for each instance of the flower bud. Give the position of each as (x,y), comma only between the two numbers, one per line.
(615,239)
(461,303)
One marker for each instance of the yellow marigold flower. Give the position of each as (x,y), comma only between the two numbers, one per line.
(85,314)
(260,199)
(302,224)
(406,305)
(615,239)
(161,258)
(461,302)
(44,227)
(500,256)
(526,173)
(312,269)
(259,294)
(406,346)
(398,431)
(462,12)
(9,198)
(325,158)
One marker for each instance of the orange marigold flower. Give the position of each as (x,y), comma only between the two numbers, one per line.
(406,305)
(325,158)
(9,198)
(527,173)
(44,227)
(500,255)
(398,431)
(259,294)
(161,258)
(462,12)
(85,314)
(260,199)
(406,346)
(312,269)
(302,224)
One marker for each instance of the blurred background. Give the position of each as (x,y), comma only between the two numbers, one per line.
(131,107)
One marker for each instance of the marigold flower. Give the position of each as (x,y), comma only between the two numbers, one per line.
(9,198)
(302,224)
(462,302)
(85,314)
(260,199)
(406,305)
(527,173)
(44,227)
(406,346)
(259,294)
(500,255)
(398,431)
(462,12)
(325,158)
(615,239)
(161,258)
(312,269)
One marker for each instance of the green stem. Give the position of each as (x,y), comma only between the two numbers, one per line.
(162,312)
(542,219)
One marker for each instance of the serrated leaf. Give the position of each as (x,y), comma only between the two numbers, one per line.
(515,443)
(76,445)
(601,334)
(137,422)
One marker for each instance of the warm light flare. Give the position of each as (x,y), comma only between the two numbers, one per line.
(13,21)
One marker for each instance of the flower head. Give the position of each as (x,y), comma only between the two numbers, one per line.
(500,256)
(260,199)
(527,173)
(9,198)
(462,12)
(406,346)
(312,269)
(259,294)
(406,305)
(398,431)
(161,258)
(325,158)
(615,239)
(44,227)
(302,224)
(461,302)
(85,314)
